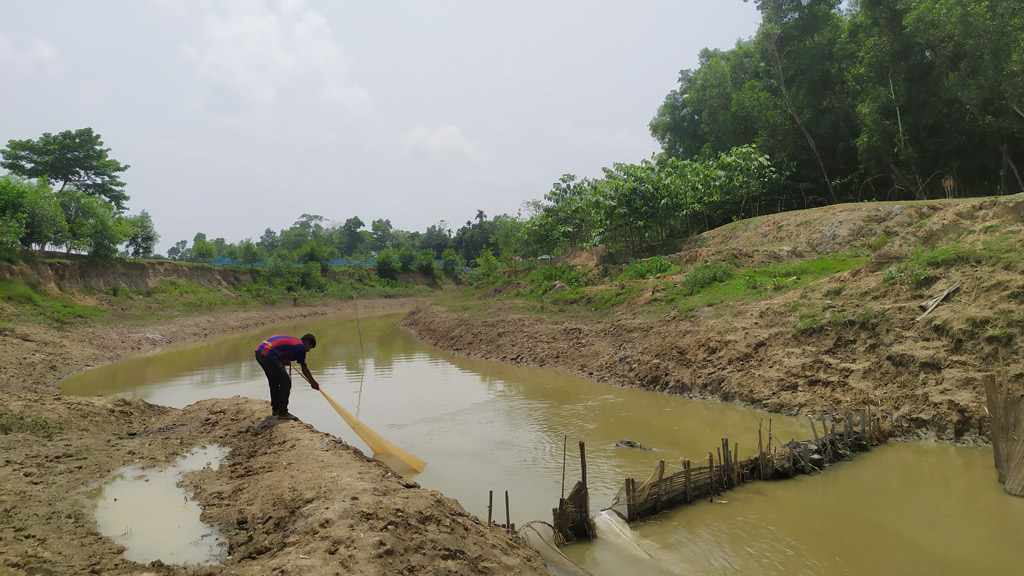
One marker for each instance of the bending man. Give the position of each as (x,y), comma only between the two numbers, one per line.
(273,355)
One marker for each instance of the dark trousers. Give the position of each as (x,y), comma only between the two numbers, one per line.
(280,382)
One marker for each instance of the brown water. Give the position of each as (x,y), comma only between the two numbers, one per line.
(900,509)
(146,511)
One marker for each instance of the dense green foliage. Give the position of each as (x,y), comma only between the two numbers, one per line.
(85,214)
(71,157)
(890,99)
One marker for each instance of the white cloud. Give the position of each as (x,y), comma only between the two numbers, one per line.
(267,54)
(447,140)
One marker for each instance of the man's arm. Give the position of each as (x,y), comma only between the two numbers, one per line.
(309,378)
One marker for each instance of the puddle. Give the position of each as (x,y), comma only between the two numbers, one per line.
(146,512)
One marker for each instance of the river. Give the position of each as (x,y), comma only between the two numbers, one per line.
(903,508)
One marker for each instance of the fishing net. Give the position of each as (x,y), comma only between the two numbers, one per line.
(377,443)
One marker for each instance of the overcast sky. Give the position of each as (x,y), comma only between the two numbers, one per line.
(237,116)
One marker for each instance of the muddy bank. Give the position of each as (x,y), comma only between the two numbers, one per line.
(292,500)
(852,340)
(761,364)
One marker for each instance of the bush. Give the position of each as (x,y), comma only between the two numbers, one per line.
(425,262)
(705,275)
(487,264)
(387,265)
(649,268)
(311,277)
(451,262)
(407,257)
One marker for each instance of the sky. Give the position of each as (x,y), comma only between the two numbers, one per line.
(241,115)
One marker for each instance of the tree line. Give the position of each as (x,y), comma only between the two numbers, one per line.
(827,103)
(63,190)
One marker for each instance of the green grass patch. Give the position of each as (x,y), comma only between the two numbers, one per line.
(36,425)
(706,275)
(41,306)
(1004,251)
(189,295)
(908,275)
(947,256)
(879,242)
(611,297)
(649,268)
(714,283)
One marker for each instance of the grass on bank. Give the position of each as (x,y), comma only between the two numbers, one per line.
(37,304)
(36,425)
(685,288)
(21,301)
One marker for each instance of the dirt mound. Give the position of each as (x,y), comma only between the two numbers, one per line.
(583,257)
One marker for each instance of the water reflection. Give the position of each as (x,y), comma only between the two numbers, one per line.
(490,426)
(145,511)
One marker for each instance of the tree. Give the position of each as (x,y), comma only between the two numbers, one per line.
(425,262)
(565,220)
(142,236)
(437,238)
(798,38)
(350,235)
(383,234)
(179,251)
(77,158)
(248,252)
(387,265)
(92,224)
(316,251)
(451,263)
(268,241)
(12,216)
(507,236)
(35,210)
(202,249)
(977,47)
(11,231)
(487,263)
(473,237)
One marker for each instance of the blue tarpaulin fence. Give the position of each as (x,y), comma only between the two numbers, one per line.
(337,262)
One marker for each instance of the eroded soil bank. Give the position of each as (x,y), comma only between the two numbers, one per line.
(853,340)
(291,500)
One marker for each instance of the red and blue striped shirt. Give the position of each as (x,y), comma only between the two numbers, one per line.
(284,348)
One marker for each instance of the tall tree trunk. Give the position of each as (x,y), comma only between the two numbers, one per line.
(1009,166)
(777,61)
(903,178)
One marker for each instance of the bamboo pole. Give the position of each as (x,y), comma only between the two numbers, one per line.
(583,461)
(711,469)
(661,476)
(508,517)
(689,481)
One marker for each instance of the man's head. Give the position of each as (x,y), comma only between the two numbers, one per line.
(309,340)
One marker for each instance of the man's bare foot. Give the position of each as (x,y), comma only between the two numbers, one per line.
(287,416)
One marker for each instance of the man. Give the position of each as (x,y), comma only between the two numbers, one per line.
(273,355)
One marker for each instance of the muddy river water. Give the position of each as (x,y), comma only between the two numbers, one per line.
(906,508)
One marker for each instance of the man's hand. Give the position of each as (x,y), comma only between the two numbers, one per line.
(309,378)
